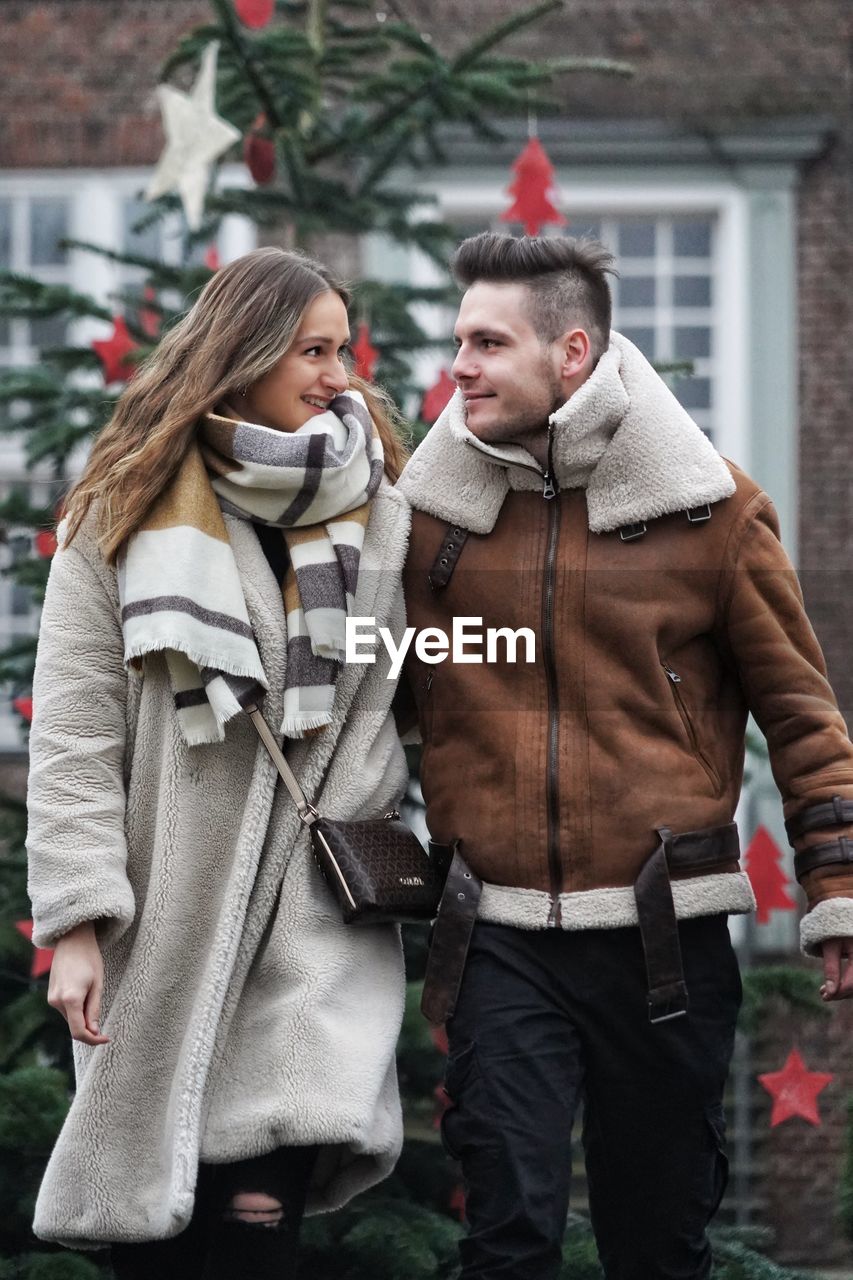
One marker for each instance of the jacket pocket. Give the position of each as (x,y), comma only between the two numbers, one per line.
(674,680)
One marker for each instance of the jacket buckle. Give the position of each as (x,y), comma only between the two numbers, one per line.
(698,515)
(629,532)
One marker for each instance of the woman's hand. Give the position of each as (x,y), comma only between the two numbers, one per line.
(77,982)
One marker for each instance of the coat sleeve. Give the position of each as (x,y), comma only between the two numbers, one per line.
(783,675)
(76,843)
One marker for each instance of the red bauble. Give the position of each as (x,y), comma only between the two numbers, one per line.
(113,353)
(533,188)
(24,707)
(456,1204)
(437,398)
(259,155)
(43,957)
(438,1035)
(769,882)
(254,13)
(365,354)
(794,1090)
(211,258)
(45,543)
(149,318)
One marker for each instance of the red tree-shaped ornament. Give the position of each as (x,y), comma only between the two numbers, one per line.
(436,399)
(254,13)
(365,354)
(533,189)
(769,882)
(113,352)
(794,1090)
(43,957)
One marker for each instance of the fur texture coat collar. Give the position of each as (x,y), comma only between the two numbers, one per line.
(623,433)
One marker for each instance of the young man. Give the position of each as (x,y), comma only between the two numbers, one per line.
(593,790)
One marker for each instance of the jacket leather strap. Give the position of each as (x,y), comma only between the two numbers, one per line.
(823,855)
(450,936)
(448,554)
(833,813)
(690,851)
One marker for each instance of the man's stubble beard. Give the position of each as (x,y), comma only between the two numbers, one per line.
(531,418)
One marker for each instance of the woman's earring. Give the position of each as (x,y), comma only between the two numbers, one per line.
(242,390)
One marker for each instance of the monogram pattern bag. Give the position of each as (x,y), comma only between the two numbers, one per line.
(377,869)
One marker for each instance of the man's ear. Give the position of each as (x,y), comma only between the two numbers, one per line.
(575,349)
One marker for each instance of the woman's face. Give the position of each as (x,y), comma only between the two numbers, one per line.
(308,376)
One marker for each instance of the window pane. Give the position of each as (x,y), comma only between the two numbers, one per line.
(51,331)
(145,243)
(637,291)
(692,238)
(642,338)
(585,227)
(48,225)
(691,342)
(692,291)
(5,233)
(693,393)
(637,239)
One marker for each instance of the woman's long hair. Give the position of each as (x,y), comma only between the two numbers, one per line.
(244,320)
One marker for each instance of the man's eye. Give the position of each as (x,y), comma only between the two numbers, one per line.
(491,342)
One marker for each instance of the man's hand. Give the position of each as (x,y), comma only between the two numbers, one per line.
(76,983)
(837,969)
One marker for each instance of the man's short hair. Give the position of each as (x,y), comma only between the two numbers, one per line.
(567,280)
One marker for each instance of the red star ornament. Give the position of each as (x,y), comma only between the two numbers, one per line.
(769,882)
(365,354)
(254,13)
(114,351)
(24,707)
(45,543)
(437,398)
(794,1090)
(43,957)
(533,188)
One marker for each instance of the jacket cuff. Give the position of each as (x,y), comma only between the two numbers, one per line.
(832,918)
(112,916)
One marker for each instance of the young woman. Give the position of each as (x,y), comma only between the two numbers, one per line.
(234,1041)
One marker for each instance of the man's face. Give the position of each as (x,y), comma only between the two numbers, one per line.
(510,380)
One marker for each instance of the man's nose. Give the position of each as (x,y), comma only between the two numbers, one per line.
(463,366)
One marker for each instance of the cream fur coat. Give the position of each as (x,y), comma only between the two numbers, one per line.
(242,1013)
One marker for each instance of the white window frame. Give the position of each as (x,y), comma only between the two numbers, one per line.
(471,198)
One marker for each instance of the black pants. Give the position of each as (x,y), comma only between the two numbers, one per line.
(547,1018)
(215,1246)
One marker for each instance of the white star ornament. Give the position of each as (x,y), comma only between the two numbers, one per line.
(195,136)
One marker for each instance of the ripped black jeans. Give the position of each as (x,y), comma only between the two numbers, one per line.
(547,1018)
(218,1244)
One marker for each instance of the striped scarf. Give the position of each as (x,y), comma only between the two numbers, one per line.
(180,589)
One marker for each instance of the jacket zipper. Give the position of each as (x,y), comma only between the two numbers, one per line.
(675,680)
(549,493)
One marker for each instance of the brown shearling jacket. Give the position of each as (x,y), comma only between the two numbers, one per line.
(654,639)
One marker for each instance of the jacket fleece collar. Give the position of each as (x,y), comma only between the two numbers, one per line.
(623,432)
